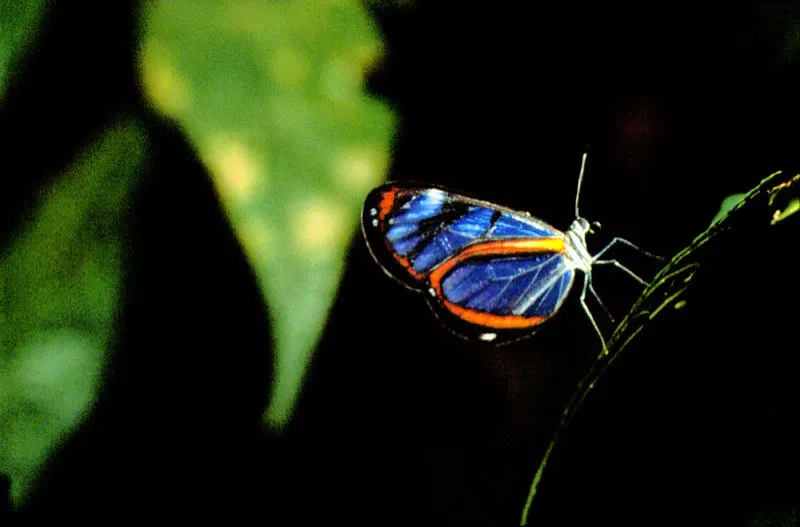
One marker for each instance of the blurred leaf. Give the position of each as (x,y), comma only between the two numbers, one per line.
(19,21)
(271,95)
(59,287)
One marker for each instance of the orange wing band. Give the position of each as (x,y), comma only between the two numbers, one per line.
(384,208)
(492,321)
(386,204)
(405,263)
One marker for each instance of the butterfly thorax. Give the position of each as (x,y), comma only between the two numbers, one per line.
(577,253)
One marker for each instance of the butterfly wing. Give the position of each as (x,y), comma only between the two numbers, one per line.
(488,270)
(499,290)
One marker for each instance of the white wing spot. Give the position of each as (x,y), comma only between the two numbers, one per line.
(431,291)
(487,337)
(374,223)
(373,212)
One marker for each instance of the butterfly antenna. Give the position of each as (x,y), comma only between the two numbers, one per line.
(580,180)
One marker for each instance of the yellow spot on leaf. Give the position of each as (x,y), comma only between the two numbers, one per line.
(165,87)
(320,227)
(235,170)
(361,168)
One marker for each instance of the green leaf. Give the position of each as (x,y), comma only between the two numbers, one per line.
(271,96)
(727,205)
(59,289)
(19,22)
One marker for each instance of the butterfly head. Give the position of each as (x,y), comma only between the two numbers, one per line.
(581,227)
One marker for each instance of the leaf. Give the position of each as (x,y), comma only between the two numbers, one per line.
(670,290)
(727,205)
(59,290)
(271,96)
(19,22)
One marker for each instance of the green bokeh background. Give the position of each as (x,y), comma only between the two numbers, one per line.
(271,96)
(59,292)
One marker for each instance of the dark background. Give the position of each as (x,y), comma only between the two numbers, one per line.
(400,422)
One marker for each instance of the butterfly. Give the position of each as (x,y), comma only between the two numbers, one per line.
(489,272)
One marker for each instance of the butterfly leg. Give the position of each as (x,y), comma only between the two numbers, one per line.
(587,285)
(597,297)
(620,266)
(624,242)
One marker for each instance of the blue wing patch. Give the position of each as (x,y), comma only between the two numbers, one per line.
(510,226)
(425,226)
(527,286)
